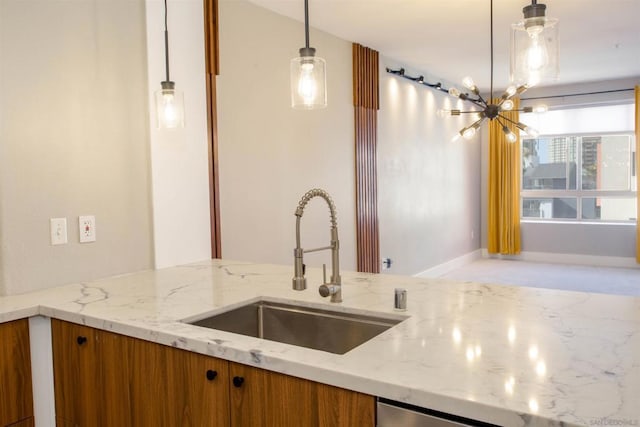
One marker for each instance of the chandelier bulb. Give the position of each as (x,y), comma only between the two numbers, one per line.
(442,113)
(511,90)
(507,105)
(531,131)
(542,108)
(469,133)
(454,92)
(511,136)
(467,81)
(469,84)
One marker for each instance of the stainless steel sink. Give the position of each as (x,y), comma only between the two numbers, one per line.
(320,329)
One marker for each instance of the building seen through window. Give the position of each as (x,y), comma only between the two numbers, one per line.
(579,177)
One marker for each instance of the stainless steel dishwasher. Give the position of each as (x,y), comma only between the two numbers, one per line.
(396,414)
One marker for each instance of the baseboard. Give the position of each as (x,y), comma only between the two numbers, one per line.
(576,259)
(451,265)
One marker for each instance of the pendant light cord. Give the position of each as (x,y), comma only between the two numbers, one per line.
(306,23)
(166,41)
(491,24)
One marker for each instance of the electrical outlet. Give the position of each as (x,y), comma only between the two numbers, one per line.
(58,231)
(87,228)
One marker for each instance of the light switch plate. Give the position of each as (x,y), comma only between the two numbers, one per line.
(58,230)
(87,228)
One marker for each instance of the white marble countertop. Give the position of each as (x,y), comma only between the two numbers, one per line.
(511,356)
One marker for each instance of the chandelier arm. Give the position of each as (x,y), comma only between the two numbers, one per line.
(508,119)
(499,121)
(481,99)
(505,128)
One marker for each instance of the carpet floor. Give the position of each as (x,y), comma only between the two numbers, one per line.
(605,280)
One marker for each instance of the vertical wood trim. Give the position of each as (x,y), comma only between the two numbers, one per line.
(366,104)
(212,59)
(212,45)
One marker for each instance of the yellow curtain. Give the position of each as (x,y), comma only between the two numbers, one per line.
(637,174)
(504,187)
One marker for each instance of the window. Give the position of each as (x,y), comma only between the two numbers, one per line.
(579,177)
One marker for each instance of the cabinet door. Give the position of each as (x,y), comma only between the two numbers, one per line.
(91,380)
(198,389)
(264,398)
(113,388)
(76,374)
(16,397)
(172,387)
(148,384)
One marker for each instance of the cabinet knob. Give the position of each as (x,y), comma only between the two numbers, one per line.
(238,381)
(81,340)
(211,374)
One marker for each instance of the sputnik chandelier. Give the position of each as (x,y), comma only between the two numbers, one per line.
(533,57)
(490,110)
(493,109)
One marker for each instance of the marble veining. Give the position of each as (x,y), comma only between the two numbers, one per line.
(511,356)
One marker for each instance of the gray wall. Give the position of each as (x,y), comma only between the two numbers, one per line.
(428,186)
(606,240)
(615,240)
(74,140)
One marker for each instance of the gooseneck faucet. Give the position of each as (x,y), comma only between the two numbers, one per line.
(334,286)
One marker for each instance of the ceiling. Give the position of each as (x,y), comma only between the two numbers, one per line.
(448,39)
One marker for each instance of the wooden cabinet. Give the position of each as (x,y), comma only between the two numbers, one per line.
(172,387)
(122,381)
(264,398)
(27,422)
(16,395)
(76,360)
(106,379)
(95,391)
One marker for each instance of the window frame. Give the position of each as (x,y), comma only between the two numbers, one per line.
(578,194)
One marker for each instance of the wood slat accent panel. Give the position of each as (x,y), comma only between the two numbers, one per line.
(366,104)
(212,70)
(366,91)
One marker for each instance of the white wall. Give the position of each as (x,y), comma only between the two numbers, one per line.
(74,140)
(270,154)
(179,157)
(428,186)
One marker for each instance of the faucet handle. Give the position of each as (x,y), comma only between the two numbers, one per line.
(324,273)
(331,289)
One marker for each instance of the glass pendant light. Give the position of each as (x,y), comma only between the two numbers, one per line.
(534,47)
(489,109)
(169,100)
(308,75)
